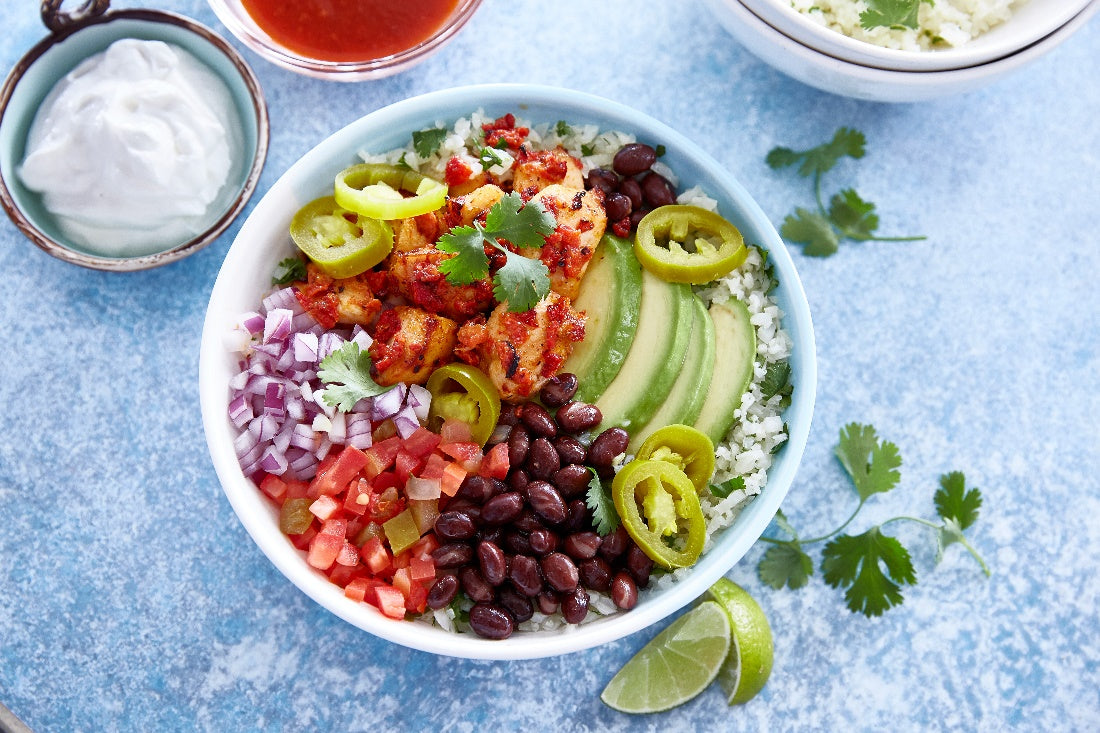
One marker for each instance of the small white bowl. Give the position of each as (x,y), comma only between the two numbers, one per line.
(263,240)
(830,74)
(1030,22)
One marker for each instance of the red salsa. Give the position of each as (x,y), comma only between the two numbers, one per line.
(349,30)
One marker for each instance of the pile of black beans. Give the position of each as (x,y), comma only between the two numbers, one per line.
(631,190)
(527,542)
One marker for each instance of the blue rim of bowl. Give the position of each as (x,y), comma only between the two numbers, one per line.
(415,113)
(259,154)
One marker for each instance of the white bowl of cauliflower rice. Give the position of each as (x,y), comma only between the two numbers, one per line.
(803,47)
(920,35)
(506,372)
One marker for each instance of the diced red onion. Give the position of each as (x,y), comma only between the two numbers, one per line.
(282,299)
(252,322)
(277,325)
(302,436)
(328,343)
(338,431)
(387,404)
(420,399)
(406,422)
(305,347)
(273,461)
(240,411)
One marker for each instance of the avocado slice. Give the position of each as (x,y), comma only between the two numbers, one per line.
(611,297)
(655,358)
(685,400)
(735,352)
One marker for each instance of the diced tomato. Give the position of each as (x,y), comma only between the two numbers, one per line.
(452,478)
(341,575)
(274,487)
(467,455)
(381,456)
(417,600)
(324,507)
(303,540)
(495,463)
(455,431)
(385,480)
(376,556)
(361,589)
(335,527)
(385,504)
(402,581)
(405,465)
(421,569)
(296,490)
(421,443)
(349,555)
(434,466)
(336,476)
(323,550)
(390,601)
(424,546)
(352,502)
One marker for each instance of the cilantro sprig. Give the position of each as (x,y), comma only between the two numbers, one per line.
(891,13)
(871,567)
(848,215)
(605,518)
(426,142)
(291,269)
(521,282)
(346,371)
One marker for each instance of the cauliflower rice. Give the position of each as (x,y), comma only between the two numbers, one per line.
(942,24)
(749,447)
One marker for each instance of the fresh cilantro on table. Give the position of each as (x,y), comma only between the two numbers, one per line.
(873,566)
(426,142)
(346,371)
(292,269)
(848,215)
(891,14)
(604,516)
(521,282)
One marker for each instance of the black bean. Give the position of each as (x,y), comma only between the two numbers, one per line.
(618,206)
(657,191)
(614,544)
(517,604)
(538,420)
(571,480)
(542,459)
(491,534)
(519,442)
(547,602)
(528,521)
(475,586)
(502,508)
(491,560)
(508,415)
(634,158)
(477,489)
(606,447)
(560,571)
(574,606)
(452,555)
(633,191)
(580,516)
(491,621)
(639,565)
(542,541)
(581,545)
(624,593)
(569,449)
(576,417)
(638,214)
(443,592)
(525,575)
(602,179)
(595,574)
(517,543)
(455,525)
(559,389)
(517,480)
(547,502)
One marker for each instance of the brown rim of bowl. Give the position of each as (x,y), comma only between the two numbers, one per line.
(347,70)
(204,238)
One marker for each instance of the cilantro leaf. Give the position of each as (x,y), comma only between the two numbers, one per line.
(520,281)
(523,226)
(856,563)
(955,502)
(347,372)
(604,516)
(818,160)
(890,14)
(777,380)
(872,465)
(292,269)
(812,230)
(785,565)
(488,158)
(784,524)
(853,216)
(426,142)
(470,262)
(724,489)
(562,128)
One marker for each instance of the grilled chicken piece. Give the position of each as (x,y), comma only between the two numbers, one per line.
(534,171)
(409,344)
(581,221)
(330,301)
(416,276)
(520,351)
(418,232)
(477,202)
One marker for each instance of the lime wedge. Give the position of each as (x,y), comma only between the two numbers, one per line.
(749,663)
(675,666)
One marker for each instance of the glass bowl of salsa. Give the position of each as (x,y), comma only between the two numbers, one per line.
(345,40)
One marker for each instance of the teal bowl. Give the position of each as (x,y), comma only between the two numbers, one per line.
(245,277)
(73,39)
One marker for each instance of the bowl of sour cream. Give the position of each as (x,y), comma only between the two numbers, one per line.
(128,139)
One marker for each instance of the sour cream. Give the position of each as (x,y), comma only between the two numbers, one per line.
(132,149)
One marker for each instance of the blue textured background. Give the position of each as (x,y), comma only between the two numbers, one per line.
(132,599)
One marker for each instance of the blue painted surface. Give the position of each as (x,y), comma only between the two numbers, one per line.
(132,599)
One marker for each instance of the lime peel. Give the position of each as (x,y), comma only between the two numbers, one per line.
(749,662)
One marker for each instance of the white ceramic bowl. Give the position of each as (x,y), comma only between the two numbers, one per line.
(1030,22)
(834,75)
(263,240)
